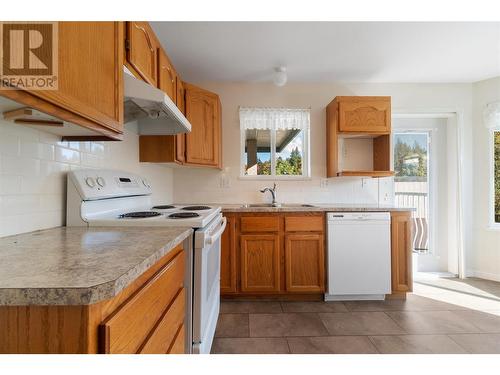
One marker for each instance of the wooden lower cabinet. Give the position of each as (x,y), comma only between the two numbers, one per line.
(401,253)
(260,263)
(229,267)
(273,254)
(305,262)
(146,317)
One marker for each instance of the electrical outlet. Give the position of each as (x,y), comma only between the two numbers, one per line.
(323,183)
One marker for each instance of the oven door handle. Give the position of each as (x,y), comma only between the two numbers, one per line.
(214,237)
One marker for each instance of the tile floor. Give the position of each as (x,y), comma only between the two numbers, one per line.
(443,315)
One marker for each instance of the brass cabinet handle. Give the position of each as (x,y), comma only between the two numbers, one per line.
(147,36)
(169,72)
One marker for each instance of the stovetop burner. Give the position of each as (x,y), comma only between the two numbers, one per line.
(183,215)
(139,215)
(163,207)
(196,208)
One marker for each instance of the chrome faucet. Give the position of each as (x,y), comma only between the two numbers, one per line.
(273,193)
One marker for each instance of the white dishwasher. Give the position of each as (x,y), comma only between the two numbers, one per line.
(359,256)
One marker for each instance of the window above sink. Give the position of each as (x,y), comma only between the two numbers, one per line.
(274,143)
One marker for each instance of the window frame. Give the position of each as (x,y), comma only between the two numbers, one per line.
(492,224)
(306,166)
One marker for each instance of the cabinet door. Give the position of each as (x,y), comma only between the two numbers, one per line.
(180,139)
(361,114)
(126,329)
(142,51)
(167,78)
(401,252)
(203,142)
(260,263)
(228,271)
(90,72)
(305,263)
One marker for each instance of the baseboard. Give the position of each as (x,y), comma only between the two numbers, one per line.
(484,275)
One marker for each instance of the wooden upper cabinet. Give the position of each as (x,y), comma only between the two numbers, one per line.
(203,143)
(401,252)
(260,263)
(305,262)
(367,114)
(181,95)
(350,121)
(90,79)
(142,50)
(180,139)
(167,78)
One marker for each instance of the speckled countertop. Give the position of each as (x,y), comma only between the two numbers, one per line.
(79,266)
(315,208)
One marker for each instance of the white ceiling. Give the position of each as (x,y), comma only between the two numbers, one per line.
(333,51)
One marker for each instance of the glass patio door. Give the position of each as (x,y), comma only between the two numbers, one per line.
(412,187)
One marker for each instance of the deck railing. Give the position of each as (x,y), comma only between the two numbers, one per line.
(418,201)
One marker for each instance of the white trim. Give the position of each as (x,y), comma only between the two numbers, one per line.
(272,152)
(484,275)
(460,126)
(273,178)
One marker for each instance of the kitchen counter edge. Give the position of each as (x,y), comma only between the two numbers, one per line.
(316,208)
(87,295)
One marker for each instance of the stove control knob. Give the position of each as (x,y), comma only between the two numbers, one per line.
(146,183)
(90,182)
(100,181)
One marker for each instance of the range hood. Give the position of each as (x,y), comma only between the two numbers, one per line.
(155,112)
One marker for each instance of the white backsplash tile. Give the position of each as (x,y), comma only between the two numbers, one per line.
(9,144)
(66,155)
(33,169)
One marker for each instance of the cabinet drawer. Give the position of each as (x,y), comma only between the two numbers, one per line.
(127,328)
(179,342)
(304,224)
(160,340)
(260,224)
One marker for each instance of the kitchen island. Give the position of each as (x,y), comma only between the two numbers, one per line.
(93,290)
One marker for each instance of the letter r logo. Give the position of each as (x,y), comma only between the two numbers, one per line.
(27,49)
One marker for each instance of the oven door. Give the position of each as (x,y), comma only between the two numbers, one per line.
(206,284)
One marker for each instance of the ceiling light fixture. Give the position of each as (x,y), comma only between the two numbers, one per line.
(280,77)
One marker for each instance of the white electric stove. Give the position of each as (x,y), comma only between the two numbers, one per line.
(98,197)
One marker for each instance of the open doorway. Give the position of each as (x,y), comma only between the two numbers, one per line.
(426,163)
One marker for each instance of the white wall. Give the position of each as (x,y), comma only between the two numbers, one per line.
(486,250)
(33,168)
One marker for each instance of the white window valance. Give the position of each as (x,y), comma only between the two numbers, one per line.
(491,115)
(274,118)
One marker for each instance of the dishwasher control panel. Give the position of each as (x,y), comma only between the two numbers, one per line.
(342,216)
